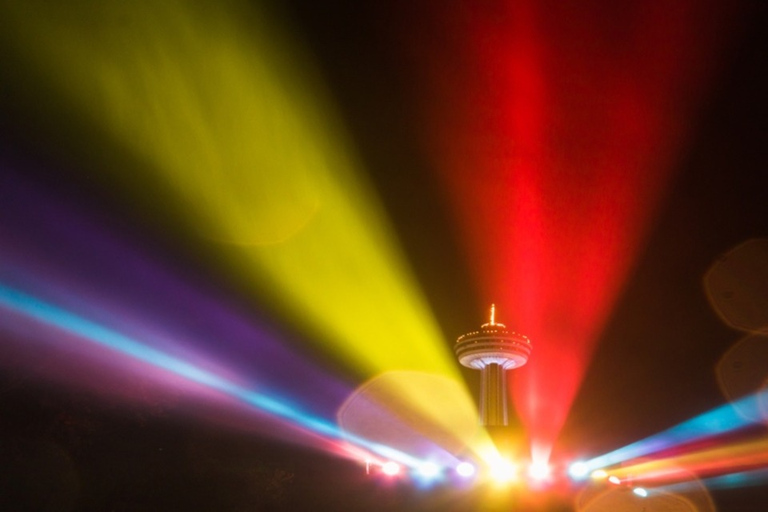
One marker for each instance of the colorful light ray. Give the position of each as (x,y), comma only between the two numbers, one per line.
(720,460)
(757,477)
(721,420)
(383,410)
(230,118)
(49,314)
(192,335)
(55,252)
(555,154)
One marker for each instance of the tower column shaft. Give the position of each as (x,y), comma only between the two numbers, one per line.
(493,396)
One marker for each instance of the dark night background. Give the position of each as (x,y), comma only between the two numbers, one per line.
(654,366)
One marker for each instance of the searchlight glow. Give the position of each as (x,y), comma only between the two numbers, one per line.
(390,468)
(503,472)
(578,470)
(539,471)
(465,470)
(428,470)
(639,491)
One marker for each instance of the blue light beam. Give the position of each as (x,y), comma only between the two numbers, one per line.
(718,421)
(49,314)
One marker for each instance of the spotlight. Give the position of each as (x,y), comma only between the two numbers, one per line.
(390,468)
(640,492)
(614,479)
(599,474)
(465,469)
(539,471)
(428,470)
(578,470)
(503,472)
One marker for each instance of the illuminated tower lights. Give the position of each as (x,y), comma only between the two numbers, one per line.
(493,350)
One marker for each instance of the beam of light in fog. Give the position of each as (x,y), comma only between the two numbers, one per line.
(59,253)
(730,481)
(227,114)
(719,421)
(381,410)
(555,156)
(109,291)
(19,302)
(719,460)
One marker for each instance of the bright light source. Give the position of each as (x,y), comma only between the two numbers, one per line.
(539,471)
(640,492)
(599,474)
(503,472)
(428,470)
(465,469)
(390,468)
(578,470)
(614,479)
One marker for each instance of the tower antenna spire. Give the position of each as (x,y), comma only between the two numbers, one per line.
(493,314)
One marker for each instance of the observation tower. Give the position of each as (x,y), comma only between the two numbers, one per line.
(493,350)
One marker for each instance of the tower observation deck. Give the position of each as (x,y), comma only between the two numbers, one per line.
(493,350)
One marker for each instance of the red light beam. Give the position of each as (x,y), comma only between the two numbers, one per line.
(564,124)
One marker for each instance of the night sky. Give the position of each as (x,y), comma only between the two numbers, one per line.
(583,167)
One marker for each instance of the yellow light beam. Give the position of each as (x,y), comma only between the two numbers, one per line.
(229,114)
(232,117)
